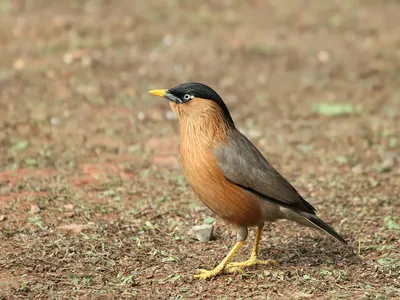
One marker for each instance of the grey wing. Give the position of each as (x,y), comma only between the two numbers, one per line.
(243,165)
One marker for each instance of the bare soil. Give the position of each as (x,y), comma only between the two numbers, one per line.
(93,203)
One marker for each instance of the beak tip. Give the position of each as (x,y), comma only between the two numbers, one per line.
(160,93)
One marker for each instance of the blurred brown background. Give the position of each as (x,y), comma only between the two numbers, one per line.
(93,203)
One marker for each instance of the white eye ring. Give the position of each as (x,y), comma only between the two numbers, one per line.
(187,97)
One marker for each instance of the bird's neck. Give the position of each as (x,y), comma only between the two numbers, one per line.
(201,126)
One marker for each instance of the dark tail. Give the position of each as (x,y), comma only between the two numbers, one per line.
(321,225)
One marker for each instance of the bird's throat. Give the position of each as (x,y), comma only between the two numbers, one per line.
(201,121)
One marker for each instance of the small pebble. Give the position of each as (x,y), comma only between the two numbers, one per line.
(19,64)
(86,61)
(357,201)
(202,232)
(389,161)
(35,209)
(68,58)
(168,40)
(323,56)
(141,116)
(75,228)
(374,201)
(357,169)
(69,206)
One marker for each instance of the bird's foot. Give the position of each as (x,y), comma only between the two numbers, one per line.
(236,267)
(207,274)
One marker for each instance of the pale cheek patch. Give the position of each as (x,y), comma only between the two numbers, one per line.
(176,108)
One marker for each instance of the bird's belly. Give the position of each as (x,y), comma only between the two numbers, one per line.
(230,203)
(227,200)
(270,211)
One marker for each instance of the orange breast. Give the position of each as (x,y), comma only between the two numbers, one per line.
(225,199)
(203,127)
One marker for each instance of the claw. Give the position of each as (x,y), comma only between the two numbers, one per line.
(233,270)
(206,274)
(234,266)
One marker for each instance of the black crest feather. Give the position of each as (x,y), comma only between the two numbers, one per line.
(200,90)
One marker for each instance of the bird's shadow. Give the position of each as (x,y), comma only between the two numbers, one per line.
(310,251)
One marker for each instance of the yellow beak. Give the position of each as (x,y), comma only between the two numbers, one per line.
(159,93)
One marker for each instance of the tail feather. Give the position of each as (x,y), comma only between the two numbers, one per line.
(321,225)
(310,220)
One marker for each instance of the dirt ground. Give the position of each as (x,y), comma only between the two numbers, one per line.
(93,203)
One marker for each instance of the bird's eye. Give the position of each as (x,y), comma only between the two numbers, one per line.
(187,97)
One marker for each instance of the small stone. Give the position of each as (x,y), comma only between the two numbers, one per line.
(389,161)
(69,214)
(2,218)
(68,58)
(35,209)
(141,116)
(301,295)
(69,206)
(374,201)
(357,169)
(54,121)
(19,64)
(75,228)
(323,56)
(357,201)
(86,61)
(168,40)
(202,232)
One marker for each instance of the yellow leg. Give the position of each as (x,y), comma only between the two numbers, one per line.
(235,267)
(206,274)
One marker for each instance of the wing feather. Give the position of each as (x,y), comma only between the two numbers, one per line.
(243,165)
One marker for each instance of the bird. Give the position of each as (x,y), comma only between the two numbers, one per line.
(231,176)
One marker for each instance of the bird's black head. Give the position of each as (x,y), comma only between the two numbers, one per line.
(185,92)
